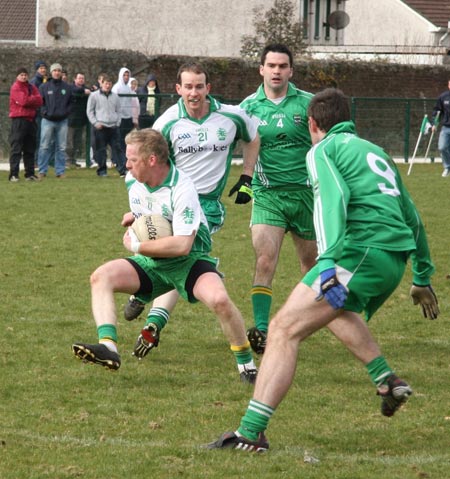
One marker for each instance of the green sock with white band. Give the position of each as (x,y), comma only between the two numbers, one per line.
(255,420)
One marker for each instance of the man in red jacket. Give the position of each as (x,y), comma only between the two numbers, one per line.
(24,100)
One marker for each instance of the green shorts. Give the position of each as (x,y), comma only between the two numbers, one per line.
(291,210)
(214,212)
(159,276)
(370,274)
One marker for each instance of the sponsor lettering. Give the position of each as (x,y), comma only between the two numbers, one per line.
(201,149)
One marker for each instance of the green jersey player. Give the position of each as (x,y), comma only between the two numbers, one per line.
(367,227)
(283,199)
(180,261)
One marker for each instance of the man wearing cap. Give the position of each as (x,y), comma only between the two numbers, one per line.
(24,100)
(57,97)
(40,77)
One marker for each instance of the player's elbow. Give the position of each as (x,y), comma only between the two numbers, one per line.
(185,250)
(185,245)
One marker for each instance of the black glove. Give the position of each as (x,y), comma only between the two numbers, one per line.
(244,190)
(424,295)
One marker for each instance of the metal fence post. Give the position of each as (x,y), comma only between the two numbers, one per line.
(407,128)
(353,108)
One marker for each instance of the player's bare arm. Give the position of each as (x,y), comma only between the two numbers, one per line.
(169,247)
(250,155)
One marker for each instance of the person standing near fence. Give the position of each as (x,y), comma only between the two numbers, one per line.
(77,120)
(57,96)
(24,100)
(148,100)
(135,106)
(40,77)
(103,111)
(442,108)
(123,90)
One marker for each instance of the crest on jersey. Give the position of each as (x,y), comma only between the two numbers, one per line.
(165,211)
(297,119)
(221,134)
(188,216)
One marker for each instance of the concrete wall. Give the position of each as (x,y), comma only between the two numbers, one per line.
(215,28)
(200,28)
(385,22)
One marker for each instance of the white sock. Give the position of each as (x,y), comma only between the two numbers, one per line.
(111,345)
(246,366)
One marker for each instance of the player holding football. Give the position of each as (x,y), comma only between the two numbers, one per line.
(367,226)
(201,133)
(180,262)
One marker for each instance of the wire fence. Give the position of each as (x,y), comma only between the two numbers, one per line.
(393,123)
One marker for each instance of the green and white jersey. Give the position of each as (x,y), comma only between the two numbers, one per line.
(176,199)
(285,139)
(359,199)
(203,148)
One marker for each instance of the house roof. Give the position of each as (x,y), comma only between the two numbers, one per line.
(435,11)
(18,20)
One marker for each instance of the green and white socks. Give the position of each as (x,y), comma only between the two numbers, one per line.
(255,420)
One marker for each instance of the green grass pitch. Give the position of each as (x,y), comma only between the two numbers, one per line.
(60,418)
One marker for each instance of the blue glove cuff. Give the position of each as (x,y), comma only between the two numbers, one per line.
(327,274)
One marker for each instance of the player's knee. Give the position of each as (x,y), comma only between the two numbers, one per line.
(281,329)
(277,327)
(221,304)
(99,276)
(95,278)
(265,264)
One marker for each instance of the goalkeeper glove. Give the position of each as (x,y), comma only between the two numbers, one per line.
(244,190)
(424,295)
(334,292)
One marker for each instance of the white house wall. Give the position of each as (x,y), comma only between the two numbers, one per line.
(172,27)
(215,27)
(385,22)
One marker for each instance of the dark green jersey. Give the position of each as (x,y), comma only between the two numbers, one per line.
(285,139)
(359,199)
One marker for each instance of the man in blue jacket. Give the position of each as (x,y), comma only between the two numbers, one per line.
(57,97)
(442,108)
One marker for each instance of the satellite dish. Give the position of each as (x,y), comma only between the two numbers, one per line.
(58,27)
(338,20)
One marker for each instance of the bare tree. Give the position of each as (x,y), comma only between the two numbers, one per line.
(276,25)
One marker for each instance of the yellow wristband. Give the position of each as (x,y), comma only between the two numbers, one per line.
(247,190)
